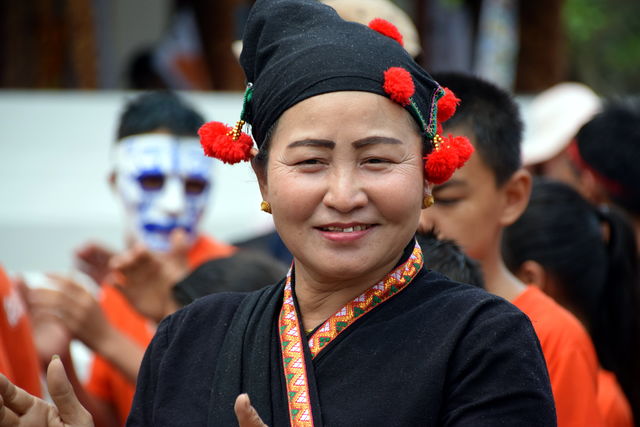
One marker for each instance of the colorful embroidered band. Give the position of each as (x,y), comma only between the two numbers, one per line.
(293,360)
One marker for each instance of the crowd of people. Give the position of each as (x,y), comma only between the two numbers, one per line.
(427,268)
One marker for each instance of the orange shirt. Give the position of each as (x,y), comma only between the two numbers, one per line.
(612,402)
(105,381)
(18,357)
(570,356)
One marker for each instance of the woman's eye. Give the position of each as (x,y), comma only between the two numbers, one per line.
(309,162)
(375,161)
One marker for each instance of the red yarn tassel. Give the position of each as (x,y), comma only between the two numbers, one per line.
(398,84)
(447,105)
(225,143)
(463,147)
(442,162)
(386,28)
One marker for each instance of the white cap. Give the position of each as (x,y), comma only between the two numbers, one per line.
(364,11)
(554,118)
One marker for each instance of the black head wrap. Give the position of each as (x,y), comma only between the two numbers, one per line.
(296,49)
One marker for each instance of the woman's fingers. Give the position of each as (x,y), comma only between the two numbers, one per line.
(15,401)
(7,417)
(71,411)
(246,414)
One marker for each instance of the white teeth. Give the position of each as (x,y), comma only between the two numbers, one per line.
(346,230)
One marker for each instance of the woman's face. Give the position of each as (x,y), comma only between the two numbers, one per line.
(345,182)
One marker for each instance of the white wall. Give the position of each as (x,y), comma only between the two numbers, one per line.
(54,162)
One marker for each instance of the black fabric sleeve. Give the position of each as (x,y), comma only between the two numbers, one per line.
(142,409)
(498,375)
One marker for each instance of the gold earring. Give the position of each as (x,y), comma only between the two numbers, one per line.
(428,201)
(265,207)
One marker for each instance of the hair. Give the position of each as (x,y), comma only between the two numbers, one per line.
(446,257)
(244,271)
(492,117)
(610,144)
(159,110)
(591,252)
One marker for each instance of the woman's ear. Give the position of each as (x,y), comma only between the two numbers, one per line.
(260,169)
(516,193)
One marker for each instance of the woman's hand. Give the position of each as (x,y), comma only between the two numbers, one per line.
(246,414)
(19,408)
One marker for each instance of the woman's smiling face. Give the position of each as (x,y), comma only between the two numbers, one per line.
(344,178)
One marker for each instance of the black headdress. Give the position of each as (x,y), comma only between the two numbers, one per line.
(296,49)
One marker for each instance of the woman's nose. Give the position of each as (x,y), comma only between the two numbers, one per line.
(344,192)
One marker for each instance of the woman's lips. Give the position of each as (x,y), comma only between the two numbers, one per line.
(346,232)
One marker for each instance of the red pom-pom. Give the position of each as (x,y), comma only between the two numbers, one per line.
(441,164)
(447,105)
(217,141)
(386,28)
(462,146)
(398,84)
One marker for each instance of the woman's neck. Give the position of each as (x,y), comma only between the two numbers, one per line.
(320,297)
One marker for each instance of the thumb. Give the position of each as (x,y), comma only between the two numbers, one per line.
(246,414)
(71,411)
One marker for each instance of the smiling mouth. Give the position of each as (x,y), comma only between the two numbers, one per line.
(346,229)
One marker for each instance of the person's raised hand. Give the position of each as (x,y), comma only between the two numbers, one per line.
(19,408)
(93,259)
(50,336)
(148,276)
(246,414)
(74,307)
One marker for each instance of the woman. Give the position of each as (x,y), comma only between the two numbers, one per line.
(584,257)
(360,332)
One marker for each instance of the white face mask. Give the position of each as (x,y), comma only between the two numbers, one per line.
(164,183)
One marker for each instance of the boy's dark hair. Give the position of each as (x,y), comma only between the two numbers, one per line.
(596,270)
(446,257)
(159,110)
(244,271)
(610,145)
(493,118)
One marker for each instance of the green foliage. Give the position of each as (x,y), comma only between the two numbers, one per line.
(604,43)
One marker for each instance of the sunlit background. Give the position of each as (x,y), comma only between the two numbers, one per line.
(68,66)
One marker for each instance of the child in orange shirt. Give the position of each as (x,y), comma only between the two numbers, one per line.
(592,271)
(487,194)
(18,357)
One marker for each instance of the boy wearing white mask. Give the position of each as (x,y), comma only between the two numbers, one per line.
(163,180)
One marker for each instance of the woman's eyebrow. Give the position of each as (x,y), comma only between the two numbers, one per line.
(325,143)
(371,140)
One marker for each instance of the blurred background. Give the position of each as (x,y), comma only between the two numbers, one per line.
(68,66)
